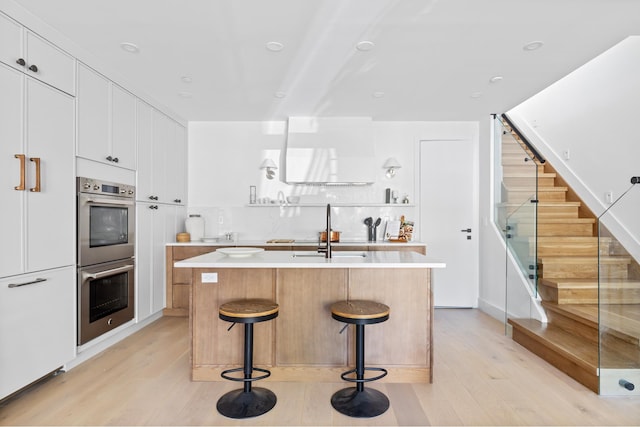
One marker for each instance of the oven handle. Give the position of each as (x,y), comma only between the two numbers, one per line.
(111,202)
(106,273)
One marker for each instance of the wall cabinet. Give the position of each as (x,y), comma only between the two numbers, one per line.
(31,54)
(37,326)
(36,175)
(162,157)
(106,120)
(156,225)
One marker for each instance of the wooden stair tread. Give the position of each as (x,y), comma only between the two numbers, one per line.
(591,283)
(540,189)
(577,349)
(543,204)
(551,220)
(586,259)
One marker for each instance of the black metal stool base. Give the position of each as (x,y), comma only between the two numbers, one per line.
(360,404)
(246,404)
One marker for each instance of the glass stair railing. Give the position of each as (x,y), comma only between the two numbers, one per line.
(618,296)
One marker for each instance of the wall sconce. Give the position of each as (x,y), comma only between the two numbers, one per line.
(391,165)
(269,165)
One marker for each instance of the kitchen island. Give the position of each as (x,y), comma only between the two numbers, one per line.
(304,343)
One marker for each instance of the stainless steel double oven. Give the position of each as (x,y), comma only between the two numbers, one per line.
(106,238)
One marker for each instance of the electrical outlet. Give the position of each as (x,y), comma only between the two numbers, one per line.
(566,154)
(608,197)
(209,278)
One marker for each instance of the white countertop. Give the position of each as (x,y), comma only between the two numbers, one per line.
(309,259)
(263,243)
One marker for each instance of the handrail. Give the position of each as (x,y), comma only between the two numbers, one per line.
(524,140)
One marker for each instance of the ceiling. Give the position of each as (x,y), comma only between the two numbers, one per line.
(431,59)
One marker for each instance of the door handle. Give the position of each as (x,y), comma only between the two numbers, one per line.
(17,285)
(36,160)
(20,187)
(466,230)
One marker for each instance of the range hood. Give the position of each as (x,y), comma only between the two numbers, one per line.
(329,151)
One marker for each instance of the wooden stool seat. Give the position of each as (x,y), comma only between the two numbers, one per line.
(360,312)
(248,401)
(358,401)
(248,311)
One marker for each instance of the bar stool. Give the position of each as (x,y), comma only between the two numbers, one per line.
(247,402)
(358,401)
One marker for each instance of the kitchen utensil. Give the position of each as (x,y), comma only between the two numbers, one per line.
(335,236)
(378,221)
(368,221)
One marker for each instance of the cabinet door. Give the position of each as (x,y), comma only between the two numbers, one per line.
(50,211)
(12,224)
(123,125)
(144,259)
(161,131)
(37,326)
(11,46)
(48,63)
(144,189)
(93,115)
(177,159)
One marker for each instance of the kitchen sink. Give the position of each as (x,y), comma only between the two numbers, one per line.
(335,254)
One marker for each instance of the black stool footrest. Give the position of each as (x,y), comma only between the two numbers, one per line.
(224,374)
(364,380)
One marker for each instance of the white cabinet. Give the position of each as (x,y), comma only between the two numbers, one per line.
(37,182)
(162,156)
(37,326)
(157,224)
(106,120)
(33,55)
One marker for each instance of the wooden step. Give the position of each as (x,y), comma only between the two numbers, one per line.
(518,168)
(558,209)
(612,267)
(568,245)
(621,322)
(574,355)
(528,179)
(586,291)
(548,226)
(545,194)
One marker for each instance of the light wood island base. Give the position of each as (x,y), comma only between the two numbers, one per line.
(304,342)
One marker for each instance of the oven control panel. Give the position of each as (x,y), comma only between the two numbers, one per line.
(105,188)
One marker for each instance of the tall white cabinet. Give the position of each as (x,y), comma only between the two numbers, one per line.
(161,199)
(37,259)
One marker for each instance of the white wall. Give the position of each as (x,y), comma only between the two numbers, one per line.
(593,114)
(224,161)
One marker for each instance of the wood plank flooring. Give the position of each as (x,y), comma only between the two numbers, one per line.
(481,377)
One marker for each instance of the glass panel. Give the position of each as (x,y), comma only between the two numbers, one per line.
(108,226)
(108,295)
(619,296)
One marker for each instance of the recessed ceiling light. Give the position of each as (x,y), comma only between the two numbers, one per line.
(275,46)
(185,94)
(279,94)
(532,45)
(378,94)
(495,79)
(476,95)
(365,46)
(130,47)
(186,79)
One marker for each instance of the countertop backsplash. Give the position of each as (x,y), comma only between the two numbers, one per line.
(299,222)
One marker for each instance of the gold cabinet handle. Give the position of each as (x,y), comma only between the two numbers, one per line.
(20,187)
(36,160)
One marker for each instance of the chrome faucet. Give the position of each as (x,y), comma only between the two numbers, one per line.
(327,249)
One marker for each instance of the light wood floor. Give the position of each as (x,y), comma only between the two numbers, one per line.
(481,377)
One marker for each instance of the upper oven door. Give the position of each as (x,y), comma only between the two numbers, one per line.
(106,228)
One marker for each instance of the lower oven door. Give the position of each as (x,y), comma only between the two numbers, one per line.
(105,298)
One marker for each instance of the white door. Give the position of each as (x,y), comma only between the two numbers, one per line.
(448,208)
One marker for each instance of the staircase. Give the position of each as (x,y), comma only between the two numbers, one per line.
(568,256)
